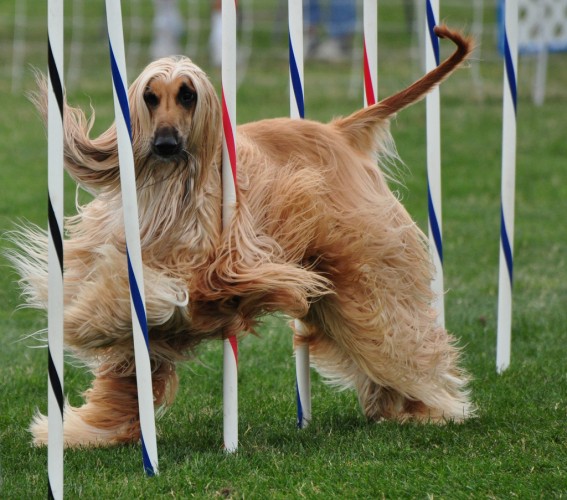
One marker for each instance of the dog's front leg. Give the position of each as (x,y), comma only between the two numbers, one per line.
(110,414)
(98,329)
(98,321)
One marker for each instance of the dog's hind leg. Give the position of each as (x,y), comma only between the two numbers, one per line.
(110,413)
(396,376)
(339,368)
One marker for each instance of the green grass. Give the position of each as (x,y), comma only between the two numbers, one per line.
(518,444)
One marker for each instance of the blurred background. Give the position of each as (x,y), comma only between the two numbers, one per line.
(191,27)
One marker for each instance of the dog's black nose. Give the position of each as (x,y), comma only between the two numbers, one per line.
(166,142)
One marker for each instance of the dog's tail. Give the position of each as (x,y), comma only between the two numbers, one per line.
(361,125)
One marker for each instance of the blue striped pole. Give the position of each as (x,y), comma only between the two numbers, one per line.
(296,93)
(132,232)
(297,111)
(55,399)
(504,329)
(228,76)
(434,161)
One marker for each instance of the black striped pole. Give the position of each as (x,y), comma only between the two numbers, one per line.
(55,400)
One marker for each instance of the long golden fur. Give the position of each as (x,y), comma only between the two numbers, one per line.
(316,234)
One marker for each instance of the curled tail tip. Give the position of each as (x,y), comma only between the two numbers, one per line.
(360,125)
(464,42)
(443,31)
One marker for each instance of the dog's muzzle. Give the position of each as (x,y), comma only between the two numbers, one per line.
(166,143)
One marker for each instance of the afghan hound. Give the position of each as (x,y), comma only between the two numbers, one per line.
(316,233)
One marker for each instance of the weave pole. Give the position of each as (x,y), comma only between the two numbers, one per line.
(132,233)
(55,400)
(504,329)
(296,79)
(370,51)
(297,111)
(433,125)
(228,77)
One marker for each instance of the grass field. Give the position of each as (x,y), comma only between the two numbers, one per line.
(516,447)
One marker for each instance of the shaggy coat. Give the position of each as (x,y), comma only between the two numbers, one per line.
(316,234)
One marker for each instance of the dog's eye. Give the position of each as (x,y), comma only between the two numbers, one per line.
(186,96)
(151,99)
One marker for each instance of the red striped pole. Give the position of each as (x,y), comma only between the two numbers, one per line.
(228,76)
(370,51)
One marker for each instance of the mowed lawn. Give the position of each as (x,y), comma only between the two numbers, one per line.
(515,447)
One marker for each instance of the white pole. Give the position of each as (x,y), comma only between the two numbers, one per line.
(370,51)
(297,111)
(55,399)
(296,79)
(302,378)
(132,232)
(434,161)
(228,76)
(504,332)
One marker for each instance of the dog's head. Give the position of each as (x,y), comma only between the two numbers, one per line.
(175,114)
(175,117)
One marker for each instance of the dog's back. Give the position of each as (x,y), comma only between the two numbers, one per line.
(317,191)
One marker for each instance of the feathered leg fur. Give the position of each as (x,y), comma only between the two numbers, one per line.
(110,413)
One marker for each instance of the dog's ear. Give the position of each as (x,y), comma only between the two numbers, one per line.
(206,128)
(205,138)
(360,126)
(38,97)
(93,163)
